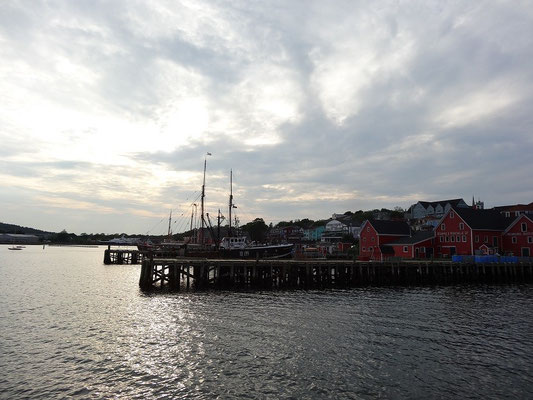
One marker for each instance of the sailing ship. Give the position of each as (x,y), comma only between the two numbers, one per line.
(237,246)
(241,247)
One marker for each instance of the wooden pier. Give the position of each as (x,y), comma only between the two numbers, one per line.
(176,273)
(119,256)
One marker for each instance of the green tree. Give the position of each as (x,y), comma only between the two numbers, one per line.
(257,229)
(62,237)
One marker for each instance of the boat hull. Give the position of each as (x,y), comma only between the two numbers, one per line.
(259,252)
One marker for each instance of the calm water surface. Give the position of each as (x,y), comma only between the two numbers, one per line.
(72,327)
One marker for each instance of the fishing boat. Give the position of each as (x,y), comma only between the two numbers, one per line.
(241,247)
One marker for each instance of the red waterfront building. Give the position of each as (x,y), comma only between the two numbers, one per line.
(518,236)
(466,231)
(375,234)
(419,245)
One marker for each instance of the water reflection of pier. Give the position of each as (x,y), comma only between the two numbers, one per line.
(176,273)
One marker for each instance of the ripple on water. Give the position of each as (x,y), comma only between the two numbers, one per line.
(72,327)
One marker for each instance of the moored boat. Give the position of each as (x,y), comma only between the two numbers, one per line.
(238,247)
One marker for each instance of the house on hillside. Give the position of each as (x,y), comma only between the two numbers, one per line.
(516,210)
(375,234)
(437,209)
(313,234)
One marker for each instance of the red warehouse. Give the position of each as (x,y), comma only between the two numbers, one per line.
(465,231)
(376,233)
(518,237)
(419,245)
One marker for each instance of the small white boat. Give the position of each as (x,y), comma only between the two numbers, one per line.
(15,248)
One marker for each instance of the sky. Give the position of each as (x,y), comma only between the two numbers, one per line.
(109,108)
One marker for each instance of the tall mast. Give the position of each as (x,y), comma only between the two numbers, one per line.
(230,198)
(169,225)
(202,205)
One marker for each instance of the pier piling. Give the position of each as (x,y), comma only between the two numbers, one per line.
(283,274)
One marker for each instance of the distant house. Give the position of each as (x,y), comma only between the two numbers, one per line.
(314,234)
(515,210)
(336,226)
(437,209)
(376,233)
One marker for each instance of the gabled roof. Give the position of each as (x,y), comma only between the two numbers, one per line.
(515,220)
(516,207)
(390,227)
(453,202)
(483,219)
(414,239)
(426,204)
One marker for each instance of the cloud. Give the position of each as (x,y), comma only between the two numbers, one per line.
(110,108)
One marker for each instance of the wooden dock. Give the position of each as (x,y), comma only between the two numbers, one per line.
(120,256)
(177,273)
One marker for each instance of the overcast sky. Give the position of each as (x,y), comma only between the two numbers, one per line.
(108,108)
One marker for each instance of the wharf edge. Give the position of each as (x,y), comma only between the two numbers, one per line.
(201,274)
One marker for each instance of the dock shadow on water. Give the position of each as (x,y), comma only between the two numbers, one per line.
(72,327)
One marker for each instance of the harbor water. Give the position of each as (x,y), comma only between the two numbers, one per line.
(71,327)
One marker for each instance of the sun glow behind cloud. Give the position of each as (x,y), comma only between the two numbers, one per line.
(113,106)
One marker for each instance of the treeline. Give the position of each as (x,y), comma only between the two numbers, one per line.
(257,229)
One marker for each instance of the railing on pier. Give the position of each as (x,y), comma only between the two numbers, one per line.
(175,273)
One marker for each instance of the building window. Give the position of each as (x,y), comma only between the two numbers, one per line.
(458,238)
(368,229)
(486,239)
(523,227)
(443,227)
(477,239)
(495,241)
(507,214)
(464,238)
(530,239)
(364,239)
(447,238)
(452,238)
(452,214)
(461,226)
(373,239)
(441,238)
(364,248)
(405,249)
(513,239)
(370,248)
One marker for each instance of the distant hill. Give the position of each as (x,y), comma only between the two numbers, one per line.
(11,228)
